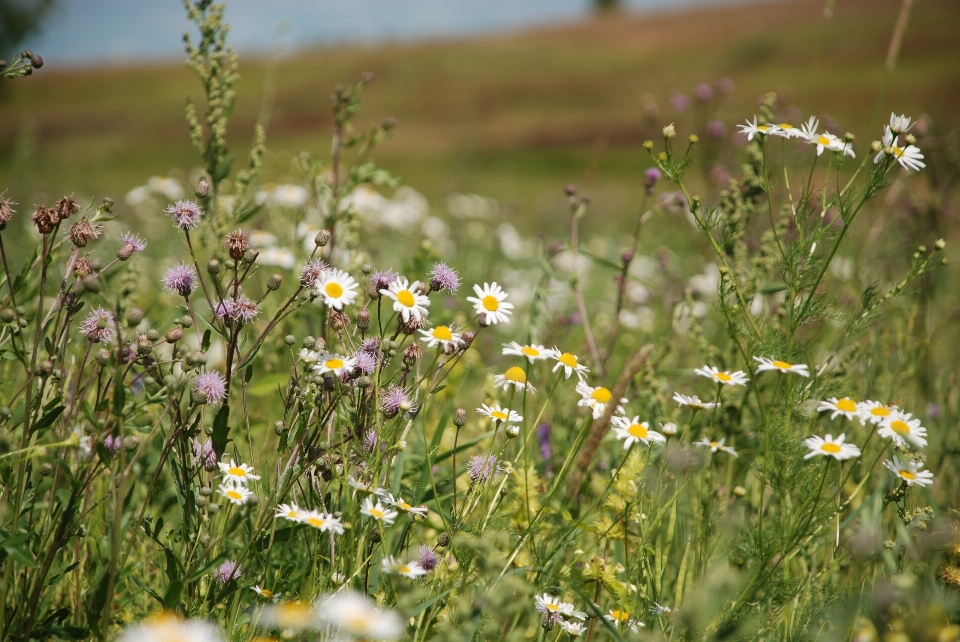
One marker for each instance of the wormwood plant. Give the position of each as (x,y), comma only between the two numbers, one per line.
(319,459)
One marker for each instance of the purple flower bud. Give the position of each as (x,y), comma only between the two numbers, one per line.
(726,86)
(131,244)
(112,443)
(703,92)
(651,177)
(716,129)
(680,103)
(428,559)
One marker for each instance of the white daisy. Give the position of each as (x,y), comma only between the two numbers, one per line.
(309,357)
(573,629)
(395,566)
(290,617)
(904,430)
(909,157)
(694,402)
(753,129)
(737,378)
(532,351)
(237,473)
(596,399)
(846,407)
(378,511)
(266,594)
(716,446)
(407,300)
(622,620)
(634,430)
(366,487)
(166,626)
(830,447)
(291,511)
(514,376)
(398,502)
(323,522)
(569,363)
(357,616)
(785,130)
(490,303)
(441,335)
(909,471)
(497,413)
(874,412)
(900,124)
(549,605)
(337,288)
(235,493)
(781,366)
(334,363)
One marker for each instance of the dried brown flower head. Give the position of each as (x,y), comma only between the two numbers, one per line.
(67,207)
(83,231)
(45,218)
(237,244)
(6,211)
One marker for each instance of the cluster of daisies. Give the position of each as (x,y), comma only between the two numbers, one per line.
(556,612)
(233,486)
(906,153)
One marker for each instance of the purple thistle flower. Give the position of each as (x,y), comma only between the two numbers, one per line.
(651,177)
(716,129)
(543,437)
(227,571)
(392,401)
(680,103)
(213,384)
(112,443)
(703,92)
(311,272)
(444,277)
(131,243)
(482,467)
(185,214)
(366,361)
(180,279)
(239,309)
(204,455)
(428,559)
(371,345)
(382,280)
(98,326)
(370,440)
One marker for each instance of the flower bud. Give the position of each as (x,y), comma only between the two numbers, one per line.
(153,335)
(45,367)
(694,139)
(669,428)
(174,335)
(322,238)
(199,397)
(213,509)
(273,283)
(363,319)
(466,339)
(203,188)
(443,539)
(102,358)
(7,315)
(90,283)
(939,245)
(739,491)
(289,339)
(512,431)
(134,316)
(250,255)
(669,131)
(213,267)
(202,502)
(364,382)
(46,469)
(309,342)
(131,443)
(375,536)
(460,417)
(279,428)
(236,244)
(367,269)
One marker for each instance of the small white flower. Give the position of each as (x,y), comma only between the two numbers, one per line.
(900,124)
(532,351)
(737,378)
(846,407)
(334,363)
(549,605)
(596,399)
(378,511)
(323,522)
(237,473)
(909,157)
(441,335)
(235,493)
(904,430)
(398,502)
(669,428)
(279,256)
(497,413)
(569,363)
(266,594)
(309,357)
(874,412)
(573,629)
(365,487)
(84,443)
(356,616)
(407,300)
(166,627)
(634,430)
(490,303)
(622,620)
(781,366)
(753,129)
(694,402)
(337,288)
(514,376)
(291,511)
(785,130)
(716,446)
(830,447)
(395,566)
(909,471)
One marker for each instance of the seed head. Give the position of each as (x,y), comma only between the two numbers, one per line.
(363,319)
(67,207)
(83,266)
(83,231)
(6,211)
(466,339)
(236,243)
(412,354)
(338,320)
(45,218)
(203,188)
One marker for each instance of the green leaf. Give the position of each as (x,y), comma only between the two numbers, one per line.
(205,343)
(773,288)
(16,546)
(48,418)
(221,430)
(119,393)
(146,588)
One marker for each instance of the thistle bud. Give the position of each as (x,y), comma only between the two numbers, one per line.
(202,502)
(367,269)
(466,339)
(363,319)
(213,267)
(443,539)
(309,342)
(46,469)
(322,238)
(273,283)
(203,188)
(6,212)
(102,357)
(339,320)
(131,443)
(460,417)
(412,354)
(198,397)
(153,335)
(82,232)
(289,340)
(375,536)
(45,367)
(134,317)
(213,509)
(90,283)
(250,255)
(7,315)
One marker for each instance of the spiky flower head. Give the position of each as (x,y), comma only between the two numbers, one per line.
(45,218)
(131,244)
(83,231)
(185,214)
(238,308)
(393,401)
(99,326)
(6,211)
(381,280)
(444,277)
(428,559)
(311,272)
(204,455)
(227,571)
(67,207)
(180,279)
(236,244)
(83,266)
(213,385)
(366,361)
(482,467)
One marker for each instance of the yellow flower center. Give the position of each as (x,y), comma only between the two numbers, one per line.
(378,514)
(786,126)
(907,474)
(601,395)
(357,622)
(515,374)
(638,430)
(292,514)
(762,128)
(333,289)
(404,505)
(830,448)
(333,364)
(898,152)
(552,607)
(568,360)
(406,298)
(783,365)
(620,616)
(267,593)
(316,522)
(442,333)
(723,376)
(530,352)
(236,471)
(403,568)
(847,405)
(232,494)
(499,414)
(880,411)
(714,444)
(900,427)
(491,303)
(823,140)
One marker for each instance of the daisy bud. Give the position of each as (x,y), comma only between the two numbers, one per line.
(669,428)
(512,431)
(322,238)
(694,139)
(102,358)
(669,131)
(174,335)
(363,319)
(213,267)
(203,188)
(876,146)
(460,417)
(911,139)
(848,137)
(648,145)
(273,283)
(236,244)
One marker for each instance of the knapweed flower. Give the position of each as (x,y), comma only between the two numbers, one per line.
(323,522)
(378,511)
(550,605)
(238,473)
(596,399)
(573,629)
(98,327)
(480,468)
(213,385)
(497,413)
(622,620)
(167,626)
(694,402)
(356,615)
(429,560)
(227,571)
(180,279)
(569,363)
(130,244)
(846,407)
(441,335)
(337,288)
(291,511)
(444,277)
(634,430)
(904,430)
(235,493)
(395,566)
(398,502)
(830,447)
(533,352)
(185,214)
(490,303)
(909,471)
(874,412)
(514,376)
(266,594)
(334,363)
(736,378)
(781,366)
(394,400)
(407,300)
(753,129)
(716,446)
(290,616)
(909,157)
(238,308)
(311,272)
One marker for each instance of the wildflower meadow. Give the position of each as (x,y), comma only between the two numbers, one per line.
(314,416)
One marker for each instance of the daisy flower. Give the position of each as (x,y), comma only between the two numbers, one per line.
(440,335)
(337,288)
(237,473)
(497,413)
(737,378)
(846,407)
(900,124)
(490,303)
(909,157)
(909,471)
(569,363)
(694,402)
(266,594)
(323,522)
(785,130)
(167,626)
(407,300)
(781,366)
(235,493)
(398,502)
(366,487)
(290,616)
(874,412)
(291,511)
(334,363)
(394,566)
(830,447)
(904,430)
(596,399)
(514,376)
(378,511)
(549,605)
(753,129)
(573,629)
(621,619)
(356,615)
(634,430)
(716,446)
(533,352)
